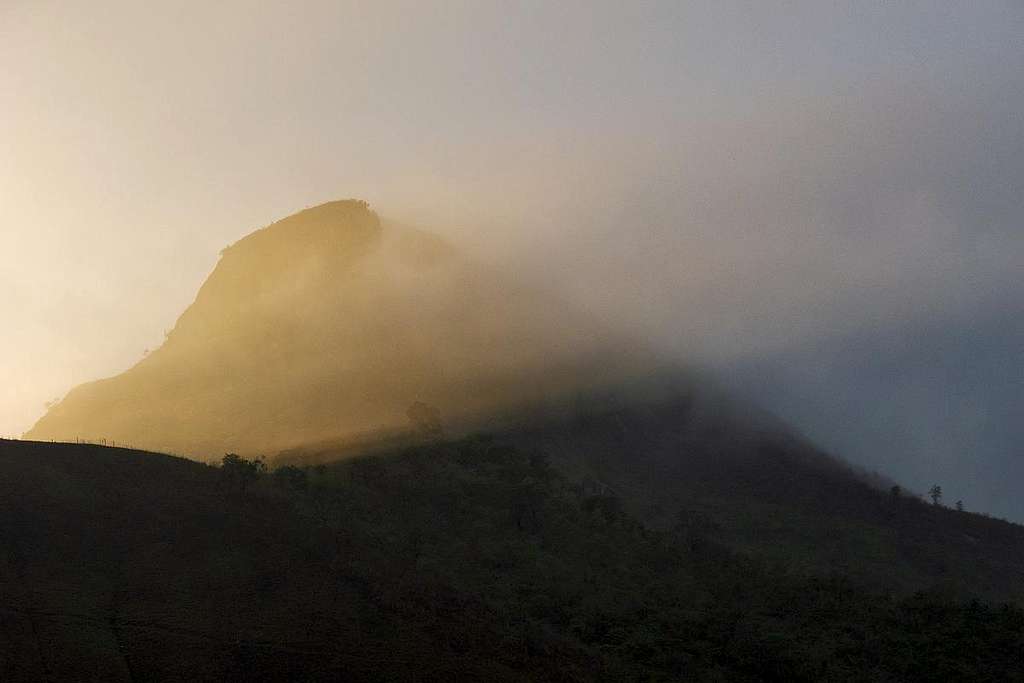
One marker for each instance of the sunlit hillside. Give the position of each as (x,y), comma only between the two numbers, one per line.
(330,324)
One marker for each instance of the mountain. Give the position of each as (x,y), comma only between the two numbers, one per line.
(332,334)
(474,559)
(469,480)
(331,324)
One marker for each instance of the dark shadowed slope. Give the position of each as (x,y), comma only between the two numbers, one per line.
(751,484)
(744,479)
(331,324)
(121,565)
(467,560)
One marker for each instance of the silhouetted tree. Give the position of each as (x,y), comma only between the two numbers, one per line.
(895,491)
(935,493)
(239,471)
(959,506)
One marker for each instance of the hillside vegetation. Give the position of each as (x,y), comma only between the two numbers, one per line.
(754,487)
(456,560)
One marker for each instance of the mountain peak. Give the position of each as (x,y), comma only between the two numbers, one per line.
(332,223)
(329,324)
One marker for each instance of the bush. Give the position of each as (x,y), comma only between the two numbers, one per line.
(238,472)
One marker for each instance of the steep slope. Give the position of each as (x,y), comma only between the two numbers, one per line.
(330,324)
(465,560)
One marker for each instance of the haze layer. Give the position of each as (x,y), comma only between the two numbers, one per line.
(330,325)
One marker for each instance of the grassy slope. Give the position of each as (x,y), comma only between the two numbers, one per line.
(464,561)
(121,561)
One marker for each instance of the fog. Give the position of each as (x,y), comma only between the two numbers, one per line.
(822,204)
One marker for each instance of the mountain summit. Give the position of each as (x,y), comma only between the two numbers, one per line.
(329,325)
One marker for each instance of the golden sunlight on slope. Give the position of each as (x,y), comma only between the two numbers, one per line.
(329,324)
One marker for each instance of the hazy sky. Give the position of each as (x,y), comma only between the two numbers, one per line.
(823,200)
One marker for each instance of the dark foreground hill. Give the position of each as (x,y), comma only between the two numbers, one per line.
(465,560)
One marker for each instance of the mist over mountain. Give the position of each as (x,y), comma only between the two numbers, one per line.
(805,197)
(330,324)
(686,344)
(446,447)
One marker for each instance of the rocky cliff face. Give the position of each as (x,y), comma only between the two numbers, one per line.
(329,324)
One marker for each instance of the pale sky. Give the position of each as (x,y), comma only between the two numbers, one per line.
(821,199)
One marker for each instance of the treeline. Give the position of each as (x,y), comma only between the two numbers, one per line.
(510,568)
